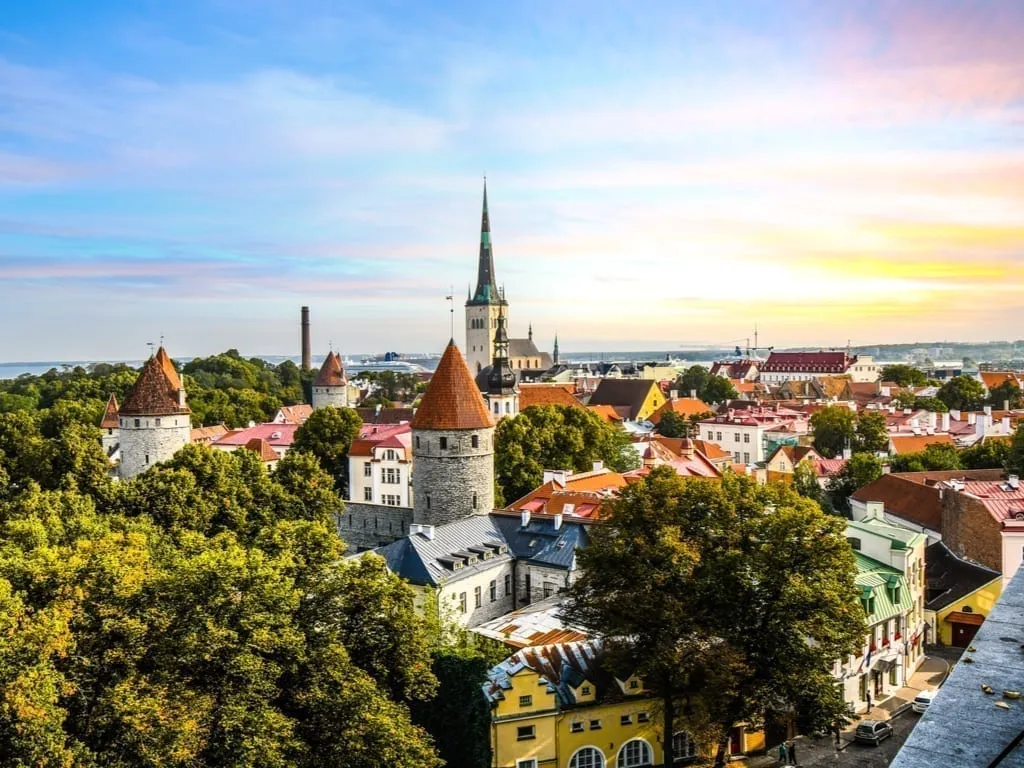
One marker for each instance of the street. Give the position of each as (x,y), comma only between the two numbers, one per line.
(821,752)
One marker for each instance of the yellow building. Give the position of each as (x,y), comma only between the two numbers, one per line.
(556,706)
(782,463)
(960,595)
(633,399)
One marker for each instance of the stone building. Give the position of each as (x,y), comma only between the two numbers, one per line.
(453,446)
(331,386)
(111,437)
(155,421)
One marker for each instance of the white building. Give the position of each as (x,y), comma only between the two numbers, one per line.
(751,434)
(781,367)
(380,465)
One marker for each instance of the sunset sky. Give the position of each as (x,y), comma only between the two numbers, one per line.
(657,177)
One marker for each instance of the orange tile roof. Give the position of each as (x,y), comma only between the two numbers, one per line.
(207,434)
(917,443)
(331,372)
(155,392)
(606,412)
(109,420)
(261,448)
(295,414)
(992,379)
(587,491)
(683,406)
(452,399)
(547,394)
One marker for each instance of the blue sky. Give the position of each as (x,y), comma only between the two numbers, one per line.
(658,175)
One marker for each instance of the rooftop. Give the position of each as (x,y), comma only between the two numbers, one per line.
(951,578)
(547,394)
(158,390)
(277,435)
(539,623)
(452,400)
(808,362)
(372,436)
(915,443)
(331,374)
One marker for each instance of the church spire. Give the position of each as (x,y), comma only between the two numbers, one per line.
(555,355)
(486,288)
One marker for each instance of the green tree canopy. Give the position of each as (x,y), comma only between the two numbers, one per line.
(934,457)
(327,435)
(672,424)
(930,404)
(710,592)
(1015,454)
(1006,394)
(872,432)
(963,393)
(904,375)
(989,454)
(860,470)
(834,428)
(709,388)
(555,437)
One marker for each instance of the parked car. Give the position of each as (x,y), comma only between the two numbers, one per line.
(872,732)
(922,701)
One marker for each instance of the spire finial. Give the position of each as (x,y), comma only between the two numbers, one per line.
(531,332)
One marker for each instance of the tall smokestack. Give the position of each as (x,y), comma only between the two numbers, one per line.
(307,354)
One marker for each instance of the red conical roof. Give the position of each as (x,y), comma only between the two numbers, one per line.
(331,372)
(156,390)
(452,399)
(109,420)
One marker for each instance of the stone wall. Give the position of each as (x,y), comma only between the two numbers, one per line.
(336,396)
(969,529)
(556,579)
(155,439)
(447,481)
(368,526)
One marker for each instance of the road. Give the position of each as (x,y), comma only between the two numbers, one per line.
(821,753)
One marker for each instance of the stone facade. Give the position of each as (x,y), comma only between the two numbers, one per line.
(467,601)
(481,327)
(368,526)
(454,478)
(969,530)
(535,582)
(336,396)
(148,440)
(110,440)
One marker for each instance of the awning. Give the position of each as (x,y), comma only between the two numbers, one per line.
(958,617)
(886,665)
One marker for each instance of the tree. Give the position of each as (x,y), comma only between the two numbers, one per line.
(905,398)
(805,482)
(672,424)
(727,599)
(937,456)
(1006,394)
(962,393)
(834,430)
(709,388)
(930,404)
(990,454)
(1015,454)
(718,390)
(872,434)
(904,375)
(327,435)
(555,437)
(861,469)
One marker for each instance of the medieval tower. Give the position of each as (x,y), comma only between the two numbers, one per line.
(155,421)
(330,386)
(484,306)
(109,426)
(502,385)
(452,446)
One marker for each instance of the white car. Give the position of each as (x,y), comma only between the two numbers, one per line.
(922,701)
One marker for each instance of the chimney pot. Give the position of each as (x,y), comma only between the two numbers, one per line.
(525,517)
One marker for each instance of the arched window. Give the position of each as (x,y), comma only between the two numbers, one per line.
(587,757)
(683,747)
(635,754)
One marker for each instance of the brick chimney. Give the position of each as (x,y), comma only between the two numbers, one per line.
(307,355)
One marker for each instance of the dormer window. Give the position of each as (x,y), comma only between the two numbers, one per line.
(854,543)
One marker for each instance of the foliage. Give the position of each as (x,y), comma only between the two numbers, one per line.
(905,398)
(805,482)
(709,387)
(1015,454)
(936,456)
(963,393)
(834,428)
(555,437)
(860,470)
(672,424)
(1007,393)
(872,432)
(391,386)
(710,593)
(204,618)
(989,454)
(930,404)
(904,375)
(327,435)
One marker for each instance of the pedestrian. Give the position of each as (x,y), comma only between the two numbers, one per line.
(869,703)
(792,753)
(783,754)
(835,732)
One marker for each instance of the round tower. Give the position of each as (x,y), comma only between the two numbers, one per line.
(330,386)
(452,446)
(155,421)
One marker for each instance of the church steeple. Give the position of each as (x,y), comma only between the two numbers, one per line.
(554,356)
(502,379)
(486,287)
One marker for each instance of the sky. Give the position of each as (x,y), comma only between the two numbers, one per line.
(660,174)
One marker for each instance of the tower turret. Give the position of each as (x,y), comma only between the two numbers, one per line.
(453,446)
(331,386)
(502,386)
(483,307)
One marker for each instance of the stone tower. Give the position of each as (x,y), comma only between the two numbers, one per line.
(502,386)
(452,446)
(155,421)
(330,386)
(109,426)
(554,355)
(484,306)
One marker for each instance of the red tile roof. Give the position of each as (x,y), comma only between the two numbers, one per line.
(294,414)
(155,392)
(917,443)
(547,394)
(808,362)
(992,379)
(683,406)
(398,436)
(109,420)
(331,372)
(262,449)
(280,435)
(452,399)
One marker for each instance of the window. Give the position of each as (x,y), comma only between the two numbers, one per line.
(737,434)
(390,455)
(367,469)
(475,441)
(474,499)
(528,587)
(156,422)
(576,726)
(530,762)
(368,494)
(444,443)
(476,597)
(746,457)
(508,584)
(683,746)
(718,436)
(147,458)
(497,409)
(526,701)
(854,543)
(428,501)
(525,733)
(585,690)
(417,441)
(634,684)
(508,407)
(643,717)
(746,437)
(587,757)
(635,753)
(138,422)
(462,602)
(595,725)
(736,457)
(626,720)
(494,590)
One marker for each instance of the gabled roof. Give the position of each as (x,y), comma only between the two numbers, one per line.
(905,498)
(397,436)
(156,391)
(993,379)
(293,414)
(261,448)
(808,362)
(331,374)
(682,406)
(452,400)
(547,394)
(606,413)
(951,578)
(109,420)
(539,623)
(563,667)
(385,415)
(207,434)
(628,393)
(797,453)
(540,543)
(915,443)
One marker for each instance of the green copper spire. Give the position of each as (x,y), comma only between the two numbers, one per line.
(486,288)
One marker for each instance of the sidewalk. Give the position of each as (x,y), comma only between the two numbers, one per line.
(929,676)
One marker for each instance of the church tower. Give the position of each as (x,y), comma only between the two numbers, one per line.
(155,421)
(330,386)
(502,386)
(452,446)
(484,306)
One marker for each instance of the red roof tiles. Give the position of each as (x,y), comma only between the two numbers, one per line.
(547,394)
(808,362)
(331,372)
(261,448)
(109,420)
(156,391)
(452,399)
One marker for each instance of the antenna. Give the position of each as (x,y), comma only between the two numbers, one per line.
(150,345)
(450,298)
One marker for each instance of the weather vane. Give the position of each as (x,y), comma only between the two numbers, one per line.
(450,298)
